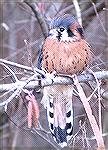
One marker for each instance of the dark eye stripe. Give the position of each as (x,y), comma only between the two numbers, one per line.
(80,30)
(70,33)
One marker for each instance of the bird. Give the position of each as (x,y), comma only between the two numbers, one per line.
(66,52)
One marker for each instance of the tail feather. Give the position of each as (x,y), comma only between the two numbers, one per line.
(69,119)
(60,113)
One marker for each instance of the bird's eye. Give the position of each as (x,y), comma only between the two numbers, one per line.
(62,29)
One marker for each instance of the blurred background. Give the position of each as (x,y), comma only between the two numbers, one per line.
(17,24)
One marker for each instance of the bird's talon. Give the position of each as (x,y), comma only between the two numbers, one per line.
(44,70)
(54,73)
(51,75)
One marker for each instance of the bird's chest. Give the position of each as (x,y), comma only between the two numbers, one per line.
(65,57)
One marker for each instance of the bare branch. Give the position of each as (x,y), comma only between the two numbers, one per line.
(33,81)
(17,92)
(39,17)
(10,71)
(57,80)
(91,9)
(92,120)
(28,47)
(78,11)
(22,66)
(94,6)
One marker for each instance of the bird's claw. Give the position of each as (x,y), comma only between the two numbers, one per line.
(50,76)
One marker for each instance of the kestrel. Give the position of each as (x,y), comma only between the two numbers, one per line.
(65,51)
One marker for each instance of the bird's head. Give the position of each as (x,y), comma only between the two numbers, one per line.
(65,28)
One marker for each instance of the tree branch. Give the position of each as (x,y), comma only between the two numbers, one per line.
(78,11)
(39,17)
(59,79)
(22,66)
(33,81)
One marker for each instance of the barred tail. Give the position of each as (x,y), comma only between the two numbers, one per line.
(60,116)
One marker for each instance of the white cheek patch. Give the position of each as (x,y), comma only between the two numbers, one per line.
(66,38)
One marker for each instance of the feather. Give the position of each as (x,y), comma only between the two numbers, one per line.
(59,112)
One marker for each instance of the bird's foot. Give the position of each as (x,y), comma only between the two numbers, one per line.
(49,76)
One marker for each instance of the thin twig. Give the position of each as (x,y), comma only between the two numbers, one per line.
(17,92)
(99,100)
(90,10)
(91,118)
(28,47)
(10,71)
(22,67)
(43,137)
(99,18)
(78,11)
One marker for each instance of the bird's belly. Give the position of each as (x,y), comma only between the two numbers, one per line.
(65,57)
